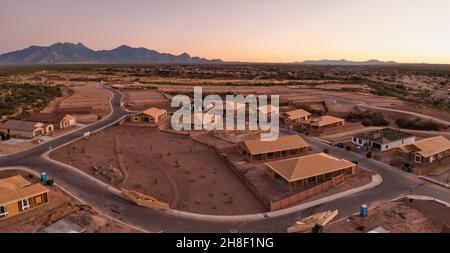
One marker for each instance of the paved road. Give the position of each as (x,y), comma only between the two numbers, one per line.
(344,101)
(394,183)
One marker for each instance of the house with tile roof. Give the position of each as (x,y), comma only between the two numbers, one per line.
(309,170)
(17,195)
(426,151)
(284,146)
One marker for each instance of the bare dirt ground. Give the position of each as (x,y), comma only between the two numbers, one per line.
(403,216)
(422,110)
(143,99)
(440,174)
(8,147)
(60,206)
(88,102)
(173,168)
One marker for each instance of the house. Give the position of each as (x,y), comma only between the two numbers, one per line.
(383,139)
(426,151)
(149,116)
(59,120)
(26,129)
(284,146)
(323,123)
(295,116)
(309,170)
(17,195)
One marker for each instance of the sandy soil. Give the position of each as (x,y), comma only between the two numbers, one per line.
(441,174)
(60,206)
(173,168)
(143,99)
(87,98)
(398,217)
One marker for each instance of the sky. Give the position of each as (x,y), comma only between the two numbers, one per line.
(239,30)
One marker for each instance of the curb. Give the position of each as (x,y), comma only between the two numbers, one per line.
(35,173)
(432,180)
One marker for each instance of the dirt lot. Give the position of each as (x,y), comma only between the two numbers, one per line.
(441,174)
(403,216)
(87,102)
(60,206)
(143,99)
(173,168)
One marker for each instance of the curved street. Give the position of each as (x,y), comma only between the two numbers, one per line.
(395,183)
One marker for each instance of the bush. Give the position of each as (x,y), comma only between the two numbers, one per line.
(50,182)
(418,124)
(368,118)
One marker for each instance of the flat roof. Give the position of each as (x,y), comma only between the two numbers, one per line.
(384,135)
(428,147)
(304,167)
(287,142)
(299,113)
(16,188)
(326,120)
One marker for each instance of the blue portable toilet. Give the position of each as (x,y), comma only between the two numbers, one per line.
(43,177)
(363,211)
(359,150)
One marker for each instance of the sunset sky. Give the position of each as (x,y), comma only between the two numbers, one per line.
(239,30)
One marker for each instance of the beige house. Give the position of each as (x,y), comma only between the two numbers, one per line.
(26,129)
(426,151)
(284,146)
(17,195)
(149,116)
(309,170)
(322,124)
(296,116)
(59,120)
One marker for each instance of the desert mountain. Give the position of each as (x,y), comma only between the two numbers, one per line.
(61,53)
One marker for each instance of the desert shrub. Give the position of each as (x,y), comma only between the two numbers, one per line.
(368,118)
(418,124)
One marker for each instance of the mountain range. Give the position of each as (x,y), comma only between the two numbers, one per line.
(64,53)
(68,53)
(345,62)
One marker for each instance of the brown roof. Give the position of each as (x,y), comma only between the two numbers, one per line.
(287,142)
(154,112)
(428,147)
(308,166)
(326,120)
(48,117)
(21,125)
(296,114)
(16,188)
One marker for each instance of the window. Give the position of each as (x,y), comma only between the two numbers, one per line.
(418,159)
(3,212)
(24,204)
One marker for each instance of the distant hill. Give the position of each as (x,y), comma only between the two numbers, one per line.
(63,53)
(345,62)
